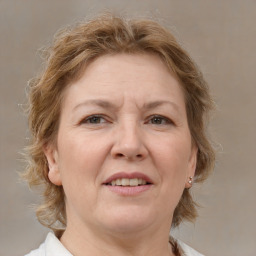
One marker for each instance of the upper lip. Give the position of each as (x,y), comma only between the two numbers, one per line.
(125,175)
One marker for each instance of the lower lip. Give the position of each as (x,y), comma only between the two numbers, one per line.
(129,191)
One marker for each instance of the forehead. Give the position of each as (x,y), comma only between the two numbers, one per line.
(128,67)
(136,76)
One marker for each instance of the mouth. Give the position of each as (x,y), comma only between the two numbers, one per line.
(125,182)
(128,180)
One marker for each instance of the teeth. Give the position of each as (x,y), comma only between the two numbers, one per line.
(125,182)
(118,182)
(134,182)
(143,182)
(128,182)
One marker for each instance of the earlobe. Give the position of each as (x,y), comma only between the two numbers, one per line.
(52,159)
(192,167)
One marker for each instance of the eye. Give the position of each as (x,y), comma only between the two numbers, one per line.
(94,119)
(159,120)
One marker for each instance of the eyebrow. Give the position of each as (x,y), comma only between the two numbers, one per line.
(100,103)
(109,105)
(154,104)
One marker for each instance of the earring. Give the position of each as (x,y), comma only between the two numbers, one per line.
(190,180)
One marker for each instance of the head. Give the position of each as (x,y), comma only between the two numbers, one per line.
(72,52)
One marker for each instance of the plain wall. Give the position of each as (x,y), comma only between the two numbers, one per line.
(221,37)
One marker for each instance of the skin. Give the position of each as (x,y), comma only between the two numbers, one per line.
(141,126)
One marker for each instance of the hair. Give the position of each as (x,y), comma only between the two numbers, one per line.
(75,47)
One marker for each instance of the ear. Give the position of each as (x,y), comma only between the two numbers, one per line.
(191,167)
(51,154)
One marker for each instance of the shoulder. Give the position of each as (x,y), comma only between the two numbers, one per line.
(187,250)
(51,246)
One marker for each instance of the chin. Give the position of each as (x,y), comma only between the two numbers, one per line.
(129,220)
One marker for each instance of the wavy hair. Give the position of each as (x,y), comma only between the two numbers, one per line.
(72,49)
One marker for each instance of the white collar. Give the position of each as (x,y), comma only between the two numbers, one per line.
(53,246)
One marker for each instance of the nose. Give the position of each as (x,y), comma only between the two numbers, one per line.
(129,143)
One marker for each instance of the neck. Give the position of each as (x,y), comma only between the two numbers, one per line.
(84,241)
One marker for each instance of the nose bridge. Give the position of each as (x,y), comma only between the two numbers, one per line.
(129,140)
(130,134)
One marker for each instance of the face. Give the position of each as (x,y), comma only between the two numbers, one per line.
(124,153)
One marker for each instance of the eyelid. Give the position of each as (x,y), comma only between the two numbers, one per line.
(166,119)
(85,120)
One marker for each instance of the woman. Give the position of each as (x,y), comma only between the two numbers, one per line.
(118,138)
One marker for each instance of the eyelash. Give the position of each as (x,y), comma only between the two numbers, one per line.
(161,118)
(90,118)
(99,117)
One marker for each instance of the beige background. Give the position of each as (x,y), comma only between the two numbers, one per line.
(221,37)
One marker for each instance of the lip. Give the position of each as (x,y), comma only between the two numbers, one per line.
(129,191)
(126,175)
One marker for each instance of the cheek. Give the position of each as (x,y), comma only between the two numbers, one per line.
(172,162)
(79,161)
(78,174)
(173,155)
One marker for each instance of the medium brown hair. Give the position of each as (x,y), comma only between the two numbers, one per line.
(73,48)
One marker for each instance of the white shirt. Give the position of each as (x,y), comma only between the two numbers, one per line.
(53,247)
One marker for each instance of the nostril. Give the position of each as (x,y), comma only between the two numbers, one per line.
(120,155)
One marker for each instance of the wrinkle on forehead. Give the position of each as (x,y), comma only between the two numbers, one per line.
(113,106)
(139,79)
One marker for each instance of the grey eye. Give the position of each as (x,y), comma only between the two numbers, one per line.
(94,119)
(158,120)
